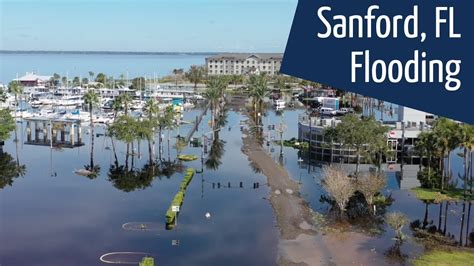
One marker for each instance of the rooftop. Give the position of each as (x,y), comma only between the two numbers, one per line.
(244,56)
(33,77)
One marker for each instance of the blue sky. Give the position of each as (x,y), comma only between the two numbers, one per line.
(146,25)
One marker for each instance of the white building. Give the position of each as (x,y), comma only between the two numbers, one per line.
(240,63)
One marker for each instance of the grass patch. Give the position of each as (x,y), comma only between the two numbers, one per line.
(435,195)
(445,258)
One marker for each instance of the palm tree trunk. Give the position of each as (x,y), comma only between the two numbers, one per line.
(470,166)
(92,149)
(133,155)
(466,168)
(114,151)
(445,217)
(160,144)
(169,155)
(462,223)
(448,172)
(126,155)
(425,220)
(92,138)
(150,152)
(440,216)
(468,223)
(441,163)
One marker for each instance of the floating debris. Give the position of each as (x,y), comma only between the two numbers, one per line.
(83,172)
(141,226)
(124,257)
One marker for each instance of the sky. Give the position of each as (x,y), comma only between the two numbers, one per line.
(146,25)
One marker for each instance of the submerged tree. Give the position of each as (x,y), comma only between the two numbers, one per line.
(397,220)
(339,186)
(370,185)
(91,99)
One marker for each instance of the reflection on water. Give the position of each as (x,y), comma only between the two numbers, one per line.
(66,219)
(10,169)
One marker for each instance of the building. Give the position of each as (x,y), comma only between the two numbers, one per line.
(242,64)
(401,138)
(33,80)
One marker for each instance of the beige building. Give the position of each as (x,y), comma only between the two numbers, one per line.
(244,63)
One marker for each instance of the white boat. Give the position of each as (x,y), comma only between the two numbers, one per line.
(79,115)
(69,100)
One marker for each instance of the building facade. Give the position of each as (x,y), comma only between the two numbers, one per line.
(401,138)
(243,64)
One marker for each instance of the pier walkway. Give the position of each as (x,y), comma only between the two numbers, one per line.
(196,124)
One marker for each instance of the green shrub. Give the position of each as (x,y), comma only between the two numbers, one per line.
(431,179)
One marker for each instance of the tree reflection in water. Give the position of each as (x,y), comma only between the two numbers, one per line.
(9,169)
(213,160)
(132,179)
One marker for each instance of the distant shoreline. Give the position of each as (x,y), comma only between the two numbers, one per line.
(103,52)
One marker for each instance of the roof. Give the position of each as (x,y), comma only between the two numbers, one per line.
(244,56)
(33,77)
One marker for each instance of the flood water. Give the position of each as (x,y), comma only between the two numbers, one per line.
(51,216)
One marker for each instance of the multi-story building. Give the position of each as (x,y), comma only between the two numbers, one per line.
(401,138)
(244,63)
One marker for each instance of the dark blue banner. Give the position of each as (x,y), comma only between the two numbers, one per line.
(415,53)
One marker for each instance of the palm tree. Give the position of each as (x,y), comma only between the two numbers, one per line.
(195,74)
(152,111)
(91,99)
(467,143)
(124,129)
(17,89)
(91,75)
(259,91)
(426,147)
(177,72)
(446,132)
(64,81)
(125,100)
(213,95)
